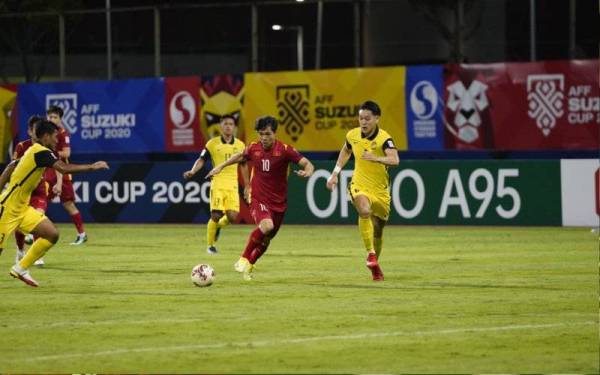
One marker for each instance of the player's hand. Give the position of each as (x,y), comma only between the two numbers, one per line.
(332,182)
(303,173)
(100,165)
(247,192)
(367,155)
(188,174)
(57,189)
(214,171)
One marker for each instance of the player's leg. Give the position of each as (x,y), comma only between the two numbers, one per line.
(261,248)
(378,225)
(67,197)
(39,201)
(362,203)
(380,208)
(212,230)
(38,224)
(262,217)
(20,240)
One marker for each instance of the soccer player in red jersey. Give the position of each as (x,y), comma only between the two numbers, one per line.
(270,161)
(39,197)
(64,183)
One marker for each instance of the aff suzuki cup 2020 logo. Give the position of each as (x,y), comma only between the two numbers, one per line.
(68,103)
(293,108)
(182,111)
(545,94)
(424,103)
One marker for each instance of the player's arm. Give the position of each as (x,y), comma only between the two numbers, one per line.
(343,157)
(57,188)
(391,154)
(234,159)
(198,164)
(246,178)
(65,153)
(5,176)
(307,168)
(63,167)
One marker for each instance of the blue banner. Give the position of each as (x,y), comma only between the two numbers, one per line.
(424,107)
(101,116)
(139,193)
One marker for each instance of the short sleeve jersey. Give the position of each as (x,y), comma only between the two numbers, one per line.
(22,147)
(25,178)
(270,169)
(218,150)
(368,174)
(64,141)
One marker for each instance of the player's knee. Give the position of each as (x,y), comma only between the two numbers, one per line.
(216,215)
(266,227)
(52,235)
(231,216)
(364,212)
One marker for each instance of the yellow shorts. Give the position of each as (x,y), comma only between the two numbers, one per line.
(26,222)
(224,200)
(380,199)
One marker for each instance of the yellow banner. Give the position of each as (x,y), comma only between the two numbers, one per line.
(317,108)
(7,103)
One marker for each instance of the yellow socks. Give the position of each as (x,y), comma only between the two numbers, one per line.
(35,252)
(223,222)
(378,243)
(211,232)
(365,226)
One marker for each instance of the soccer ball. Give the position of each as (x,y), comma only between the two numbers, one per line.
(203,275)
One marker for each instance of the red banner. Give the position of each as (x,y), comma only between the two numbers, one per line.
(523,106)
(182,120)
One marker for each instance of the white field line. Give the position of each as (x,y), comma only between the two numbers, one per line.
(301,340)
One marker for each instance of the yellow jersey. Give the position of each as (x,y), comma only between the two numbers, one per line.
(218,150)
(367,174)
(25,178)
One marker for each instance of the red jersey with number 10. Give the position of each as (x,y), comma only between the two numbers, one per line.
(270,169)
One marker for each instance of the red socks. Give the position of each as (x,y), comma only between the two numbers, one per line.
(78,221)
(256,246)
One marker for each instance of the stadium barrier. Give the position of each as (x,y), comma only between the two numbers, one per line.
(532,192)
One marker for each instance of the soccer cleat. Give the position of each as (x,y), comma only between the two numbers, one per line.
(29,239)
(212,250)
(39,262)
(247,275)
(244,266)
(18,273)
(373,266)
(81,238)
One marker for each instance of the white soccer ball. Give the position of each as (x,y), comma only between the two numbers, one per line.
(203,275)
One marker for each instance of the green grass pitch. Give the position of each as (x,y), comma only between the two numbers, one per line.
(455,300)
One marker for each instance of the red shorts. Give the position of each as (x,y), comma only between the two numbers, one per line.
(39,197)
(261,212)
(67,193)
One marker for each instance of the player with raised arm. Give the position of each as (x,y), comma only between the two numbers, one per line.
(374,151)
(64,182)
(270,160)
(224,192)
(23,176)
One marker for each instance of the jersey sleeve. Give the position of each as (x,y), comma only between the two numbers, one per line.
(293,154)
(246,153)
(44,159)
(205,154)
(19,150)
(388,143)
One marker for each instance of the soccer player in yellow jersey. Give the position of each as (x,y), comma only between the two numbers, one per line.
(23,176)
(374,151)
(224,195)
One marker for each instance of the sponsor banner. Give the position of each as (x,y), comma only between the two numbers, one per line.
(222,94)
(102,116)
(8,118)
(317,108)
(441,192)
(424,107)
(182,125)
(523,106)
(580,196)
(142,193)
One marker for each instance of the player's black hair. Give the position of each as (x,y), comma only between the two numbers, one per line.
(370,105)
(228,116)
(33,120)
(55,109)
(45,127)
(266,121)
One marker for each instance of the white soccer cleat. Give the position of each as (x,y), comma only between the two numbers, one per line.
(39,262)
(19,273)
(81,238)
